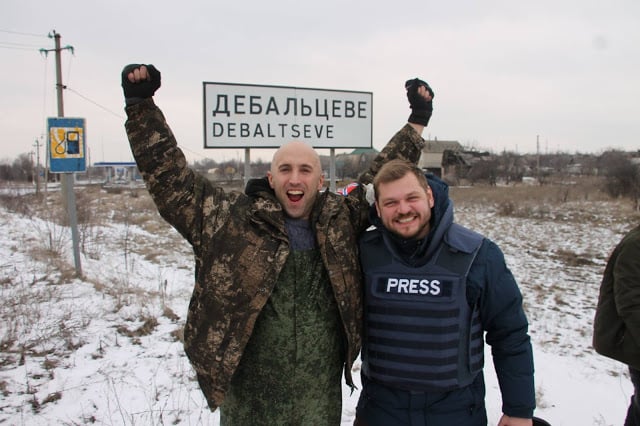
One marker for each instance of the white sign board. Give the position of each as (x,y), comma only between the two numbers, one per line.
(253,116)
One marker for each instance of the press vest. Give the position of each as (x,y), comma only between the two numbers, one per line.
(421,333)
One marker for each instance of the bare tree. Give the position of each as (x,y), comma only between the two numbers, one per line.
(622,176)
(23,168)
(483,171)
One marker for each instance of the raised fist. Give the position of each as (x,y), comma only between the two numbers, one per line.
(140,81)
(420,96)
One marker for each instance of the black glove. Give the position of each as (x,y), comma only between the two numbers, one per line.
(136,92)
(421,108)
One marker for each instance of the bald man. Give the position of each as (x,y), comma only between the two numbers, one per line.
(296,178)
(276,312)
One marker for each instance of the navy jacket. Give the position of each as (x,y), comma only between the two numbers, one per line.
(491,284)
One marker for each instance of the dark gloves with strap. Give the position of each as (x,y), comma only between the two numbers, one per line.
(421,108)
(135,92)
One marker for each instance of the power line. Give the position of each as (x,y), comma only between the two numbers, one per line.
(124,118)
(95,103)
(19,44)
(182,147)
(120,116)
(44,97)
(14,47)
(23,34)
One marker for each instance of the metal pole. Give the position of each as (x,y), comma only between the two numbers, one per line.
(247,166)
(67,178)
(538,157)
(59,86)
(37,145)
(33,167)
(46,171)
(332,170)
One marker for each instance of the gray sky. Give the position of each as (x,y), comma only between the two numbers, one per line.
(505,73)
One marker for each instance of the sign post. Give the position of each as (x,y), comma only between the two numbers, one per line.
(67,147)
(259,116)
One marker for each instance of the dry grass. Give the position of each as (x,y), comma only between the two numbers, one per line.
(26,298)
(582,201)
(581,189)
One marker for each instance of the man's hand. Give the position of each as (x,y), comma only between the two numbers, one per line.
(514,421)
(139,82)
(420,97)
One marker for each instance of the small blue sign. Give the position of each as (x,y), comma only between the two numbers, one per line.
(67,144)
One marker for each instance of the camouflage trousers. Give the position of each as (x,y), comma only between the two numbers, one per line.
(290,373)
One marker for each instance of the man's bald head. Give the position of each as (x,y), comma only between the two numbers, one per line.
(296,177)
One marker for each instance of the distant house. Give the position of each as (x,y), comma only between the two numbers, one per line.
(353,163)
(119,172)
(433,155)
(364,152)
(363,156)
(119,175)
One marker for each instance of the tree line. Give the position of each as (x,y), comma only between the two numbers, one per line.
(620,170)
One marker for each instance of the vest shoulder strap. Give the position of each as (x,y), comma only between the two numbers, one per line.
(373,238)
(459,252)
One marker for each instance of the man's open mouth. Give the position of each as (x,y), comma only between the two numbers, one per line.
(405,219)
(295,195)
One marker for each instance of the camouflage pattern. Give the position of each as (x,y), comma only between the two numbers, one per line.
(240,246)
(298,332)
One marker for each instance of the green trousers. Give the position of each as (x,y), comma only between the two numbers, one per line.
(291,370)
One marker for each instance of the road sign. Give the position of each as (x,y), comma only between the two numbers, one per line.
(67,144)
(259,116)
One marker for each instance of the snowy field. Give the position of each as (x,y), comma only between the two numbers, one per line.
(106,348)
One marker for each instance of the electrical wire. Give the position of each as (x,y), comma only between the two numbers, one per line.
(16,46)
(182,147)
(75,92)
(24,34)
(44,97)
(94,102)
(19,46)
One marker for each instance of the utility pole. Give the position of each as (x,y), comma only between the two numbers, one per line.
(33,167)
(37,173)
(538,157)
(69,199)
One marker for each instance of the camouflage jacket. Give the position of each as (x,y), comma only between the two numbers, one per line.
(240,246)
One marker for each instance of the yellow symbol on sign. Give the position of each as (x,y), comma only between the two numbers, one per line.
(66,142)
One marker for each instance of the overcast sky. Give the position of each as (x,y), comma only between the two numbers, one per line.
(506,74)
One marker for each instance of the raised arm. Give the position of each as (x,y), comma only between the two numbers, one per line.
(176,189)
(407,143)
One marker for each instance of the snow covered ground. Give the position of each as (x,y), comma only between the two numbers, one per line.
(106,348)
